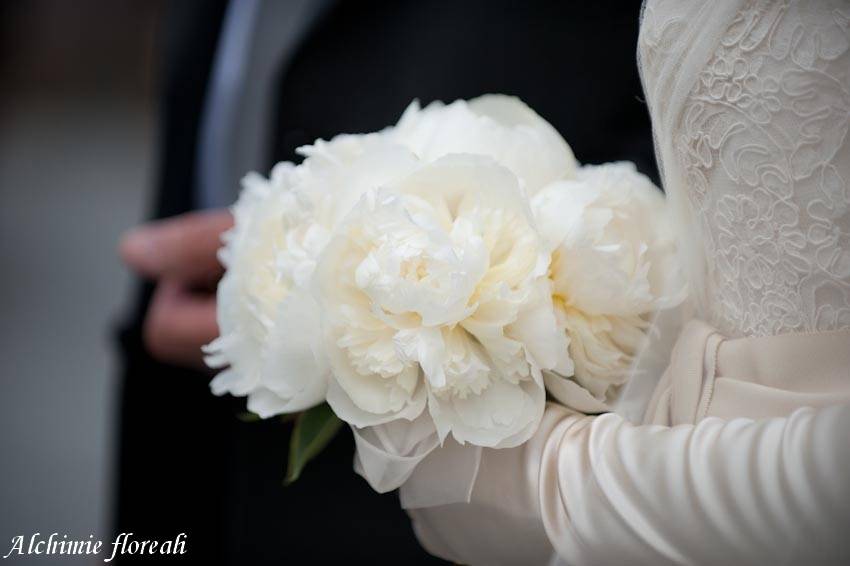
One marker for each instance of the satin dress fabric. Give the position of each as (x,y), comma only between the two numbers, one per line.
(695,485)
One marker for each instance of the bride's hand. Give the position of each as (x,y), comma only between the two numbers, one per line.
(179,255)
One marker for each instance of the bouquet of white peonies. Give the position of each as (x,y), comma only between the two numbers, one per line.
(432,281)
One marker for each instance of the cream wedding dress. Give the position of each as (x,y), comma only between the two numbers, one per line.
(743,454)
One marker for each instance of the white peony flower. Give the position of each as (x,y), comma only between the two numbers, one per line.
(269,322)
(434,294)
(613,264)
(278,372)
(498,126)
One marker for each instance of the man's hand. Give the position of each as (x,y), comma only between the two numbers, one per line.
(179,254)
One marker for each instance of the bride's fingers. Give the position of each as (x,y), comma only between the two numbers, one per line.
(183,247)
(178,323)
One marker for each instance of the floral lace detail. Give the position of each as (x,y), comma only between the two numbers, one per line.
(763,145)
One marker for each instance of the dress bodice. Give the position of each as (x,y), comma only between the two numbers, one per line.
(750,103)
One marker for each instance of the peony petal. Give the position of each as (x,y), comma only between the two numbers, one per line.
(537,328)
(225,382)
(496,126)
(295,367)
(347,410)
(572,395)
(424,345)
(265,403)
(503,415)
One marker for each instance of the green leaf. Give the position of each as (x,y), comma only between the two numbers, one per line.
(248,417)
(288,417)
(313,430)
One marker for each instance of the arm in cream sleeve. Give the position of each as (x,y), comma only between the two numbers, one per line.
(600,490)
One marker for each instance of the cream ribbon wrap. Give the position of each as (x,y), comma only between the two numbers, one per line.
(759,377)
(407,456)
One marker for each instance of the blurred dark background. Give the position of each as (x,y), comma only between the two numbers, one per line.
(77,133)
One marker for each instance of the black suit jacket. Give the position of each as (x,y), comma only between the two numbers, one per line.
(187,463)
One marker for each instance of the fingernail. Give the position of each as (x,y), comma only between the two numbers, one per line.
(139,249)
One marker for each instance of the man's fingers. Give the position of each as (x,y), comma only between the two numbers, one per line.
(178,323)
(183,247)
(180,253)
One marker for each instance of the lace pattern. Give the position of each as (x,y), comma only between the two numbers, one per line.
(763,148)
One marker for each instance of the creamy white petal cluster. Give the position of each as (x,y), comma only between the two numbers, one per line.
(444,273)
(258,301)
(498,126)
(613,264)
(270,326)
(435,294)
